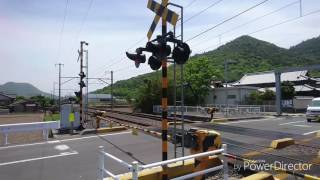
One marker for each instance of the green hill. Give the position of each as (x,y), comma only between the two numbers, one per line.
(21,89)
(251,55)
(309,49)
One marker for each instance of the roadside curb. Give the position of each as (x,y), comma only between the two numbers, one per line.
(111,129)
(259,176)
(235,119)
(282,143)
(102,130)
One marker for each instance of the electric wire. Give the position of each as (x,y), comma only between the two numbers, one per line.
(275,25)
(249,22)
(192,2)
(62,28)
(202,11)
(229,19)
(84,19)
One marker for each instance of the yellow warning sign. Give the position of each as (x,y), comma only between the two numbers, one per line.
(71,117)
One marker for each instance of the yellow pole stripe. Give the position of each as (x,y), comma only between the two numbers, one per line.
(164,146)
(165,82)
(165,123)
(164,103)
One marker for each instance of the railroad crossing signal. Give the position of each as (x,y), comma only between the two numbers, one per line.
(161,10)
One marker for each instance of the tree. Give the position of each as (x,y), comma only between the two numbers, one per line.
(268,95)
(258,97)
(149,94)
(42,100)
(198,75)
(287,90)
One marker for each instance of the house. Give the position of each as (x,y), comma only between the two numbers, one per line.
(24,105)
(229,95)
(99,98)
(304,84)
(6,99)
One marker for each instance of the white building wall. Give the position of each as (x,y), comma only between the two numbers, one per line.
(236,95)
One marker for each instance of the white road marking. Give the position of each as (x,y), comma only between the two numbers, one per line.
(311,132)
(298,125)
(291,122)
(245,121)
(39,158)
(63,140)
(61,147)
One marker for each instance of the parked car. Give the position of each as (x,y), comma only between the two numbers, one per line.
(313,110)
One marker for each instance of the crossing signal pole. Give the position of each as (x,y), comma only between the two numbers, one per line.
(159,58)
(164,103)
(81,83)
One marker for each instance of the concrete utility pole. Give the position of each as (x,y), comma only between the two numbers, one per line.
(111,91)
(87,85)
(278,92)
(81,83)
(59,100)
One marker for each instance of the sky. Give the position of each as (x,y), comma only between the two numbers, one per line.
(37,34)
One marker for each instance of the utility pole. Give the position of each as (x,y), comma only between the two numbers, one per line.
(111,91)
(87,85)
(81,83)
(59,100)
(226,62)
(164,103)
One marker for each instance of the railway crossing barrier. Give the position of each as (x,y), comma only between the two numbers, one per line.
(5,129)
(136,169)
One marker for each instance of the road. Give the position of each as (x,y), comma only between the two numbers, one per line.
(77,157)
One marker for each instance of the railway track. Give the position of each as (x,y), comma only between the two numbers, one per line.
(153,123)
(143,115)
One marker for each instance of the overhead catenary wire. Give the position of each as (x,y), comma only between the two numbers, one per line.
(273,25)
(192,2)
(202,11)
(84,19)
(249,22)
(118,57)
(62,28)
(229,19)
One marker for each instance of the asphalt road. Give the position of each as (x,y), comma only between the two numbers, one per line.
(77,157)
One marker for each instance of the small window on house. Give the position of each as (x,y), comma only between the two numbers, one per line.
(231,96)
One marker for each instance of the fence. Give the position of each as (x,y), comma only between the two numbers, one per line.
(224,109)
(135,167)
(23,127)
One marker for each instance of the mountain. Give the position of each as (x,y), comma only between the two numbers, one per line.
(250,55)
(21,89)
(309,49)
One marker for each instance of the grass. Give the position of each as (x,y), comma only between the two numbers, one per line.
(52,117)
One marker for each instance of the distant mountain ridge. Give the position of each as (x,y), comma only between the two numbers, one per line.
(21,89)
(251,55)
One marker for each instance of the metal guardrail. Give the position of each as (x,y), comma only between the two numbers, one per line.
(224,109)
(24,127)
(134,167)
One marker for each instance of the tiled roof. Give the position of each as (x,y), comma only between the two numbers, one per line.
(268,77)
